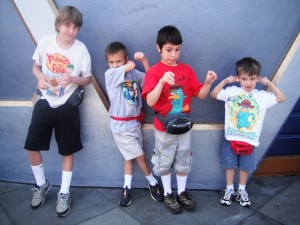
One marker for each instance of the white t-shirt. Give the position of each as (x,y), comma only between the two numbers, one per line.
(245,113)
(56,61)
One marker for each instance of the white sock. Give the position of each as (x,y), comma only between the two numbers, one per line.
(38,172)
(151,179)
(242,187)
(166,181)
(65,182)
(228,187)
(181,183)
(127,181)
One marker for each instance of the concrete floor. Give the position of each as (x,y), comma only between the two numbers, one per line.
(275,200)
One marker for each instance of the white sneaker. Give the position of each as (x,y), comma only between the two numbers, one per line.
(243,198)
(228,196)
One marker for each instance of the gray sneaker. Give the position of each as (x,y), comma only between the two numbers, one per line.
(63,206)
(39,195)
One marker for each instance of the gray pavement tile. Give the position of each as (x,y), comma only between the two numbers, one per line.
(83,207)
(4,219)
(112,217)
(285,206)
(6,187)
(207,211)
(114,194)
(263,189)
(259,219)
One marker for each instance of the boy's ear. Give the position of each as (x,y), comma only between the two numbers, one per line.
(237,78)
(158,48)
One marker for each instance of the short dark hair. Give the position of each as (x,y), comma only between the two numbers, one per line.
(115,47)
(168,34)
(68,14)
(248,65)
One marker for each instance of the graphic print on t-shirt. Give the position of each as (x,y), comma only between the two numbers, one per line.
(177,96)
(244,116)
(58,66)
(130,91)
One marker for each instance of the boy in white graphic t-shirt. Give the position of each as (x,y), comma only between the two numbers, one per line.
(245,109)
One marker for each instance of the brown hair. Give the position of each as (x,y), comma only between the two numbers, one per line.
(68,14)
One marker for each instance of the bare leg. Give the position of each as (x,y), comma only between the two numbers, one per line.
(143,165)
(128,167)
(35,158)
(243,177)
(229,173)
(68,162)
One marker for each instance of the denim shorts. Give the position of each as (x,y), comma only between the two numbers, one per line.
(229,160)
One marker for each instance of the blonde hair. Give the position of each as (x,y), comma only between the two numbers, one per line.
(68,14)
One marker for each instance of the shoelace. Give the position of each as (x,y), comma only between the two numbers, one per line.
(228,194)
(186,196)
(36,193)
(171,199)
(244,195)
(62,200)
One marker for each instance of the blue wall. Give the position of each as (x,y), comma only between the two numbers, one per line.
(215,35)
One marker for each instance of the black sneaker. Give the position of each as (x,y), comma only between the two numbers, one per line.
(39,195)
(172,205)
(156,192)
(186,200)
(126,197)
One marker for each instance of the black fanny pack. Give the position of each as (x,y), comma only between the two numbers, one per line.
(178,123)
(77,96)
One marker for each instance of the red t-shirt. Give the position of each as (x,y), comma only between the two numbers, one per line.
(174,98)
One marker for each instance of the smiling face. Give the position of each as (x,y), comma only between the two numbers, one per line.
(169,54)
(116,60)
(248,83)
(67,32)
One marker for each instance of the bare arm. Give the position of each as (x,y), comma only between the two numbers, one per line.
(219,87)
(139,56)
(42,81)
(130,65)
(153,96)
(279,95)
(210,78)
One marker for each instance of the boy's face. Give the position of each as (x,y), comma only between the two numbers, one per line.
(248,83)
(116,60)
(169,54)
(67,31)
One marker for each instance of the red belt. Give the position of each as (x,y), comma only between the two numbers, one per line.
(124,118)
(140,117)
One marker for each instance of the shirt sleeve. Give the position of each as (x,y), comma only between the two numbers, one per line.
(115,76)
(150,82)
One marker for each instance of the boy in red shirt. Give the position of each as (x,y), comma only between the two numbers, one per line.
(169,87)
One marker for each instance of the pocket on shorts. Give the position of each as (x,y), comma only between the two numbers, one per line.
(155,158)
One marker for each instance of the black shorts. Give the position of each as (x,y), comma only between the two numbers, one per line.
(66,123)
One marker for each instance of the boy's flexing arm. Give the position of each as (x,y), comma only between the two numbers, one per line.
(139,56)
(279,95)
(153,96)
(210,78)
(219,87)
